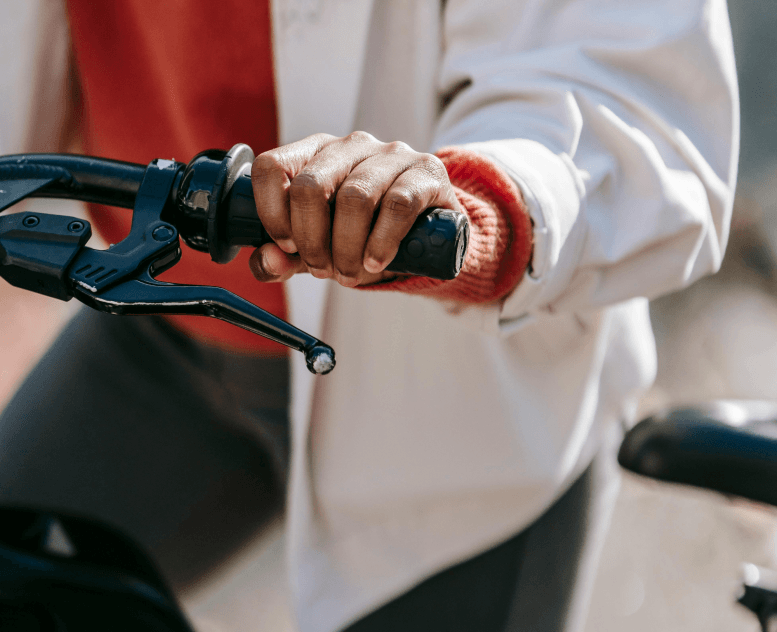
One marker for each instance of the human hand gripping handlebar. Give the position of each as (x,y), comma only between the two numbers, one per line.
(209,203)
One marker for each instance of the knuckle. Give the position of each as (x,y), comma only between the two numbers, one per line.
(266,165)
(398,147)
(307,185)
(316,261)
(321,138)
(347,258)
(347,265)
(360,137)
(400,204)
(313,253)
(356,197)
(313,250)
(433,166)
(310,246)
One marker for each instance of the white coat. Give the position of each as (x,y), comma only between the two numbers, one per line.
(446,429)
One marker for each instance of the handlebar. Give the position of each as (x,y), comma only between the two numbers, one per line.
(217,214)
(209,203)
(214,204)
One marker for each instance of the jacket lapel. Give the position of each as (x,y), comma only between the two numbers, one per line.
(319,48)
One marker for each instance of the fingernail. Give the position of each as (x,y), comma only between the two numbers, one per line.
(259,267)
(287,245)
(320,273)
(346,280)
(265,265)
(373,265)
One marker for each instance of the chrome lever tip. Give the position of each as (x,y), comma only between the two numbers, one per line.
(320,359)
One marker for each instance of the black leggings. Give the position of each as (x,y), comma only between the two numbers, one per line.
(185,448)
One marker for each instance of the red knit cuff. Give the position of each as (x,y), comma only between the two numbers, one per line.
(500,243)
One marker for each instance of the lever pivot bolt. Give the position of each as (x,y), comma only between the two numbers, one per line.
(163,233)
(30,221)
(75,227)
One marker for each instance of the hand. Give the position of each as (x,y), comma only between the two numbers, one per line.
(339,207)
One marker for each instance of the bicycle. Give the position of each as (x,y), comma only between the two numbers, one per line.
(60,572)
(726,449)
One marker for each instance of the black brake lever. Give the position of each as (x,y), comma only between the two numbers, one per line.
(208,202)
(146,295)
(47,254)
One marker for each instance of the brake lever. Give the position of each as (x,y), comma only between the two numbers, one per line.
(146,295)
(48,255)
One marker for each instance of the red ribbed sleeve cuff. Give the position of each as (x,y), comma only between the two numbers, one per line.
(500,244)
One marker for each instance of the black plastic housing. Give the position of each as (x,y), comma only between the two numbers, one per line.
(36,250)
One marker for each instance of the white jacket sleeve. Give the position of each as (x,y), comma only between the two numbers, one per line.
(621,120)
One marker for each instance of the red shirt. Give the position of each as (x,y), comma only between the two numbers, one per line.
(168,80)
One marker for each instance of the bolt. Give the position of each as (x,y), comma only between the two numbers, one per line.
(75,227)
(163,233)
(30,221)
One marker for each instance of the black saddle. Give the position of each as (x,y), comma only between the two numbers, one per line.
(61,573)
(728,447)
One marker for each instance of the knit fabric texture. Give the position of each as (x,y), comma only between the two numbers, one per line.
(500,242)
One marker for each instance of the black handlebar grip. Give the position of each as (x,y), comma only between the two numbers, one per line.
(435,246)
(243,227)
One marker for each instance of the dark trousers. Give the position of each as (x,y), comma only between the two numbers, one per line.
(185,448)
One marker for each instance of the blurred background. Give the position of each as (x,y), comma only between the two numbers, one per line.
(672,557)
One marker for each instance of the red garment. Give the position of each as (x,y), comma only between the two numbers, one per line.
(169,79)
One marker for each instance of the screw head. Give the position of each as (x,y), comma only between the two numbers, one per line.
(75,227)
(415,248)
(31,220)
(163,233)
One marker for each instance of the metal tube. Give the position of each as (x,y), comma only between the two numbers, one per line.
(97,180)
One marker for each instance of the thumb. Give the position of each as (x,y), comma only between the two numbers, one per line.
(269,264)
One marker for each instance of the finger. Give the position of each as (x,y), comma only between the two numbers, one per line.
(357,201)
(423,186)
(313,190)
(271,175)
(269,264)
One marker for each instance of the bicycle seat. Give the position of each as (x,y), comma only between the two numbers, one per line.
(62,573)
(729,447)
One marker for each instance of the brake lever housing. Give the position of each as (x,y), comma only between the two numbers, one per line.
(48,255)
